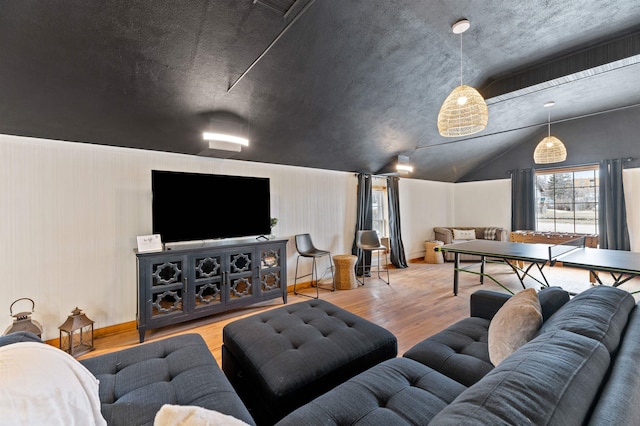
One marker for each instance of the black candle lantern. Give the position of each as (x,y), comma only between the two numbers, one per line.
(23,321)
(76,334)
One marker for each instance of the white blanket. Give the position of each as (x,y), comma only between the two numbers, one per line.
(188,415)
(43,385)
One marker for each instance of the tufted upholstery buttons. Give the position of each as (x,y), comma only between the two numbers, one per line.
(291,354)
(389,393)
(459,352)
(136,382)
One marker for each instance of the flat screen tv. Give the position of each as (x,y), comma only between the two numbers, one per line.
(196,206)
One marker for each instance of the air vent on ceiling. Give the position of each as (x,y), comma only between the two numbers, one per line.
(281,6)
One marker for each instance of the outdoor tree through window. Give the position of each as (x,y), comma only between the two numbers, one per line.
(567,200)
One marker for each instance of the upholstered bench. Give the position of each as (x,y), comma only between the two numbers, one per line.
(281,359)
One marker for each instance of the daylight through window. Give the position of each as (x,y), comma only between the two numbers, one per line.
(567,200)
(379,205)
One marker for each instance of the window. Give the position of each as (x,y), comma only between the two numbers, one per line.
(567,200)
(379,210)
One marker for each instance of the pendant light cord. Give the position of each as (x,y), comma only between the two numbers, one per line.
(460,59)
(549,122)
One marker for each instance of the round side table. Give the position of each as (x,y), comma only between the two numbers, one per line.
(430,255)
(345,273)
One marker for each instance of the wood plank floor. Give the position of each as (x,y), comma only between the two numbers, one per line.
(418,303)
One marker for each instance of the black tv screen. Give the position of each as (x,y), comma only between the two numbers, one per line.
(196,206)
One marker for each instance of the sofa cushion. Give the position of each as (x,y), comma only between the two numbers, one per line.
(600,312)
(553,379)
(395,392)
(486,303)
(514,324)
(136,382)
(617,404)
(464,234)
(490,233)
(19,336)
(551,299)
(460,351)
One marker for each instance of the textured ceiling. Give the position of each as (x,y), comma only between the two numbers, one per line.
(334,84)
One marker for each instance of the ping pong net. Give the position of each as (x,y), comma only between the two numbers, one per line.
(565,247)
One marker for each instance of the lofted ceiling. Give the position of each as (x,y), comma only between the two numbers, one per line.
(333,84)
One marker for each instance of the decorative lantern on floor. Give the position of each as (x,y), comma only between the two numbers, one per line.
(76,334)
(23,321)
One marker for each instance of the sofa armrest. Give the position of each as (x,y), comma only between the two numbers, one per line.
(443,234)
(502,235)
(19,336)
(485,303)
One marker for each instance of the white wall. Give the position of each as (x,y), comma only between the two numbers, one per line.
(489,203)
(486,203)
(631,183)
(70,214)
(423,205)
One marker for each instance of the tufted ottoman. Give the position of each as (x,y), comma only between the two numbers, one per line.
(281,359)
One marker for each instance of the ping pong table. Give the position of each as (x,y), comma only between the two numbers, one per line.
(622,265)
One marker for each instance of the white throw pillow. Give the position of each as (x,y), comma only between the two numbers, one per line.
(514,324)
(43,385)
(464,234)
(189,415)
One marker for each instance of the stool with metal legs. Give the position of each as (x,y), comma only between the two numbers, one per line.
(369,241)
(305,248)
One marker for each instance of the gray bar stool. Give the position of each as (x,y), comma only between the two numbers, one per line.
(305,248)
(369,241)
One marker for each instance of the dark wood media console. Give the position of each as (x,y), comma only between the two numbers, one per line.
(182,284)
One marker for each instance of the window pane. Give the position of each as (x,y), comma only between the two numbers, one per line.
(562,181)
(567,201)
(379,210)
(376,201)
(546,225)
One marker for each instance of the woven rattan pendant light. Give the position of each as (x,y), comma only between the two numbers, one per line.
(464,112)
(550,149)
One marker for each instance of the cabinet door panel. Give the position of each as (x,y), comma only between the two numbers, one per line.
(167,302)
(166,294)
(240,274)
(207,280)
(271,269)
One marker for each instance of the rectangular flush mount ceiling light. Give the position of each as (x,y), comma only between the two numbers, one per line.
(209,136)
(403,166)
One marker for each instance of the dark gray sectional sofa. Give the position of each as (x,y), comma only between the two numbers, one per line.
(582,367)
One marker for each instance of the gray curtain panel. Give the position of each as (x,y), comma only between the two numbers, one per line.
(364,221)
(612,220)
(398,258)
(523,200)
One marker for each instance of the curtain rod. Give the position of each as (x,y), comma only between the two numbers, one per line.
(572,166)
(368,175)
